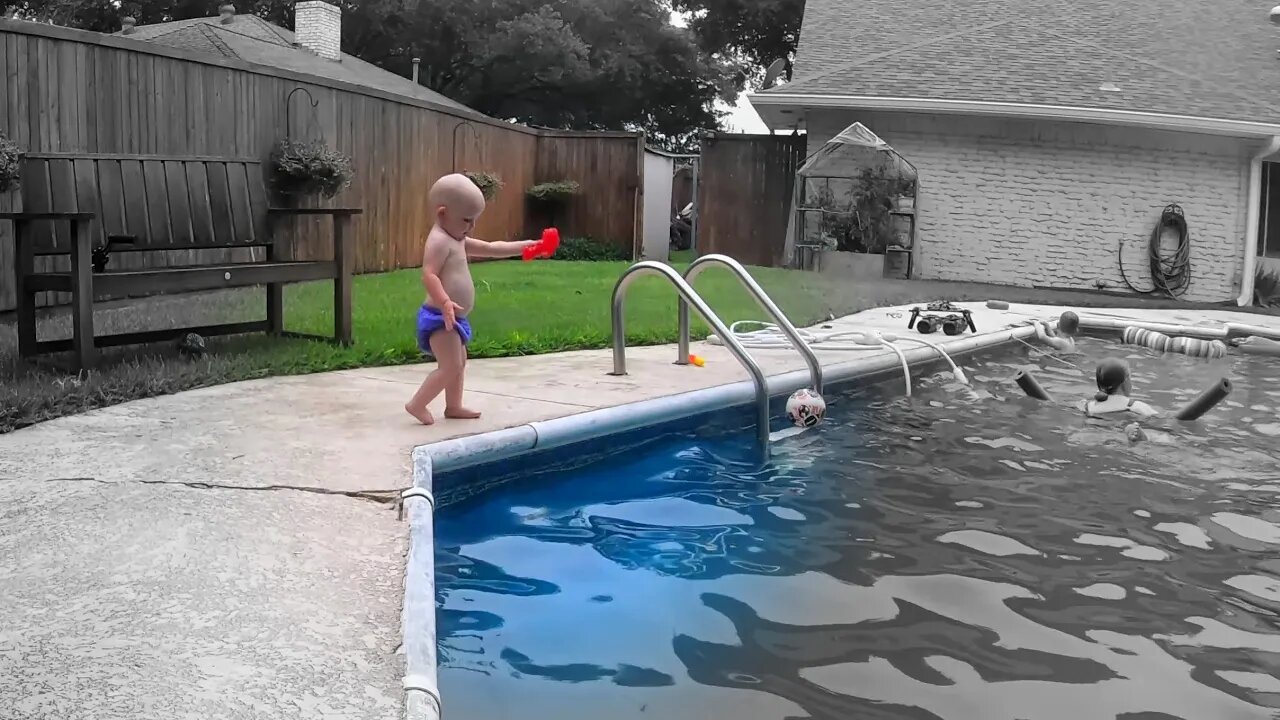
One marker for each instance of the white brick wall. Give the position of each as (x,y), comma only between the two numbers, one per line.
(1048,204)
(317,26)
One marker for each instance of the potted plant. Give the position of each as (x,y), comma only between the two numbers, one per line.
(10,169)
(307,168)
(906,194)
(489,183)
(549,198)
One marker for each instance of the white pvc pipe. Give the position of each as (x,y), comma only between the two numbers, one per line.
(1253,201)
(1222,332)
(1109,323)
(1241,330)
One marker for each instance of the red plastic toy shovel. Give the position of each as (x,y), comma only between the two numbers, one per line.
(546,247)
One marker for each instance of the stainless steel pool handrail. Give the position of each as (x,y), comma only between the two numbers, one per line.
(688,296)
(766,303)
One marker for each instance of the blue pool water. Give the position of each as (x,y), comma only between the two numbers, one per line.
(948,555)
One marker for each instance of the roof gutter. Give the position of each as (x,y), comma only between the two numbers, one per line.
(1184,123)
(1254,199)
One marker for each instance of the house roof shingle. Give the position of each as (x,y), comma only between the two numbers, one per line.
(252,39)
(1197,58)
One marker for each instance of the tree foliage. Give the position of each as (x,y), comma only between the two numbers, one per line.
(571,64)
(568,64)
(753,33)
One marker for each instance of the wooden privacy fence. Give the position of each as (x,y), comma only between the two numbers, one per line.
(744,195)
(73,91)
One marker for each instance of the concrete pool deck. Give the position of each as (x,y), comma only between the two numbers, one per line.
(227,552)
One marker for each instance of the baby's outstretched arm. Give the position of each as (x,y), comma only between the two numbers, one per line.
(498,249)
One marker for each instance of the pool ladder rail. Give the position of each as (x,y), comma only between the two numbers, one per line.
(688,297)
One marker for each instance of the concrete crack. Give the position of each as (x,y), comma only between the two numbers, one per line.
(386,497)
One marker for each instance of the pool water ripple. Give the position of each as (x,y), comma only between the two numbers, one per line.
(930,557)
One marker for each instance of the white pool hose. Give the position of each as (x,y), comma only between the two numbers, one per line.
(770,337)
(906,369)
(955,369)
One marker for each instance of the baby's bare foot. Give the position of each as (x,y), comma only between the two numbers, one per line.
(424,415)
(461,413)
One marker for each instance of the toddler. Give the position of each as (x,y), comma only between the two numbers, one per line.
(443,330)
(1064,339)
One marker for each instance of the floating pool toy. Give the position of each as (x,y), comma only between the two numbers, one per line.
(546,247)
(1194,347)
(997,305)
(1204,402)
(697,360)
(1031,386)
(806,408)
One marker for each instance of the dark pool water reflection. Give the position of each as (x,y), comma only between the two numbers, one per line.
(949,555)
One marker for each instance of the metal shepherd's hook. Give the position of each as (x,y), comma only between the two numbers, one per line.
(474,136)
(288,107)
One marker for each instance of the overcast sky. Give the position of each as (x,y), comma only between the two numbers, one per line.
(743,118)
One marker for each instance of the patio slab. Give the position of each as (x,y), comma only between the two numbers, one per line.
(194,555)
(157,601)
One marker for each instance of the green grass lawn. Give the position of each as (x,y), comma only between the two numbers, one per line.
(683,257)
(521,309)
(527,309)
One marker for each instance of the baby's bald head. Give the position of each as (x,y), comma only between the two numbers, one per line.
(458,191)
(457,202)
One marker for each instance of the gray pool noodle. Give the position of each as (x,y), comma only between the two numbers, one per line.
(997,305)
(1205,401)
(1030,385)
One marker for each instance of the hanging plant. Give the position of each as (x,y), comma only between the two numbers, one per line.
(10,171)
(309,168)
(489,183)
(558,191)
(548,199)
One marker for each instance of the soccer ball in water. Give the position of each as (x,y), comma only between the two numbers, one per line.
(806,408)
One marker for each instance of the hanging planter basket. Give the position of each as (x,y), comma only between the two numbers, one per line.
(301,169)
(553,193)
(489,183)
(549,199)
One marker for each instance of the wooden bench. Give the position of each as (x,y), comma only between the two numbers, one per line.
(149,218)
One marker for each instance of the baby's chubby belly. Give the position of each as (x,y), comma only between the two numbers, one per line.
(456,279)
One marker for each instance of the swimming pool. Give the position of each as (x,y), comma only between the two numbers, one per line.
(948,555)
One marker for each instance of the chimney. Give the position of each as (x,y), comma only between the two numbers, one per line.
(415,68)
(226,14)
(317,26)
(127,23)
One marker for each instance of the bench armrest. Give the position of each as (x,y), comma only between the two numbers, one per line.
(316,211)
(47,216)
